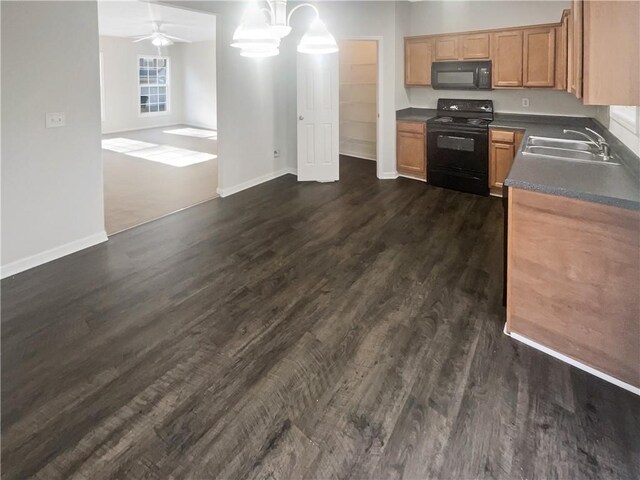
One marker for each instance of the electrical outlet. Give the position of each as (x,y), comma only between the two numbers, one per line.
(276,153)
(55,119)
(525,102)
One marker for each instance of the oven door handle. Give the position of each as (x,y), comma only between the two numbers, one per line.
(454,137)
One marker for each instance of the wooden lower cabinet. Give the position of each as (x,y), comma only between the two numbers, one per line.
(412,149)
(503,145)
(572,280)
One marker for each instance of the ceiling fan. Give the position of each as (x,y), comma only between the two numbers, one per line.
(159,38)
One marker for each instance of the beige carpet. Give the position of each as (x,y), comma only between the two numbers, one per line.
(152,173)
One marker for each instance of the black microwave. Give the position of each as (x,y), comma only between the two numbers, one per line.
(465,75)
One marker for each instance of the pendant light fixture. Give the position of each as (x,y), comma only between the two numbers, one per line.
(256,37)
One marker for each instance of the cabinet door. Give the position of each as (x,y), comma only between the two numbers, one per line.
(575,80)
(417,62)
(500,160)
(475,46)
(562,33)
(447,47)
(411,154)
(611,67)
(507,58)
(539,57)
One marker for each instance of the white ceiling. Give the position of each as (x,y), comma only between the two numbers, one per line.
(130,18)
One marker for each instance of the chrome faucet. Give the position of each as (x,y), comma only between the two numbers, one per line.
(599,142)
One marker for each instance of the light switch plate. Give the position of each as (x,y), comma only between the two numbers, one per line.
(55,119)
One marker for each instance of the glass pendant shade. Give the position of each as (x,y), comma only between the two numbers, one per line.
(254,31)
(280,31)
(318,40)
(256,37)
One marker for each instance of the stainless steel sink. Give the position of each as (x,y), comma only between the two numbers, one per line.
(565,149)
(561,143)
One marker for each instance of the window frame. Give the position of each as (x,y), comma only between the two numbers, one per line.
(140,86)
(631,123)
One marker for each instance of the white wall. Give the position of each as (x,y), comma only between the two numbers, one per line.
(120,84)
(436,17)
(199,84)
(249,119)
(402,24)
(541,101)
(52,200)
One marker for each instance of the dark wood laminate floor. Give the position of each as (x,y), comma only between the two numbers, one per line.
(297,330)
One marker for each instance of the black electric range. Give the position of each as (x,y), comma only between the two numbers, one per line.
(458,145)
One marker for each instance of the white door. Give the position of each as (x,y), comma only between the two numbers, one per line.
(318,117)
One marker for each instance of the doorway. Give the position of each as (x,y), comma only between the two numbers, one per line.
(358,63)
(159,111)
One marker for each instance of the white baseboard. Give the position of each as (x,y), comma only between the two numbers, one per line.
(161,125)
(18,266)
(225,192)
(572,362)
(388,175)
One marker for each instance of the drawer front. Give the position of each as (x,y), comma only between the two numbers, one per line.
(411,127)
(505,136)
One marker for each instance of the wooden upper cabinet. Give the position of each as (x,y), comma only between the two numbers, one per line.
(611,53)
(562,46)
(447,47)
(475,46)
(539,57)
(575,59)
(506,53)
(418,56)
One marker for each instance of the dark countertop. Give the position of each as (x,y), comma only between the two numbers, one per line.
(416,114)
(608,184)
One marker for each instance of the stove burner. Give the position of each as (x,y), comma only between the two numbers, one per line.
(462,120)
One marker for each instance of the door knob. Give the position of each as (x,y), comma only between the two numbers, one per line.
(300,117)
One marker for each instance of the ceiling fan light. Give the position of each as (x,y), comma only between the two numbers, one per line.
(160,41)
(318,40)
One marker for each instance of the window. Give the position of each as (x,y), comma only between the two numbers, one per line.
(153,83)
(625,124)
(625,116)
